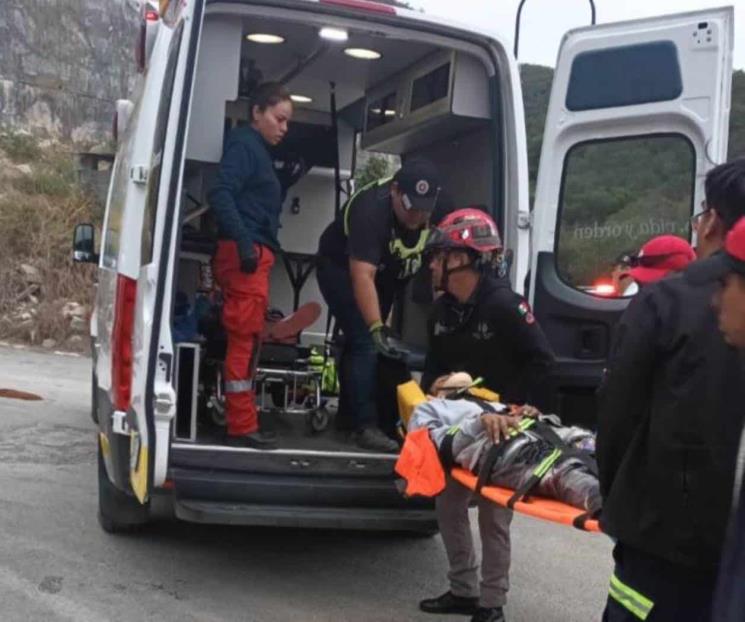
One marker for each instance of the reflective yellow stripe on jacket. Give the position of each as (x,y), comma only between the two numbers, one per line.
(350,200)
(630,599)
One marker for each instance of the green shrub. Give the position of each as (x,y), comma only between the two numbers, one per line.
(20,147)
(375,168)
(54,177)
(43,182)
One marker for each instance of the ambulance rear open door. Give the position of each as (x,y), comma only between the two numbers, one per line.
(638,114)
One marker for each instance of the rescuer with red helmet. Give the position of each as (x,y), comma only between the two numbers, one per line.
(478,325)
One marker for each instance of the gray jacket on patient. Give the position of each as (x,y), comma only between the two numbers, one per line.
(568,479)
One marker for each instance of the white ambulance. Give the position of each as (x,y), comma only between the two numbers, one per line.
(364,75)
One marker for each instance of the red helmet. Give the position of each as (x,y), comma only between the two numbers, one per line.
(468,228)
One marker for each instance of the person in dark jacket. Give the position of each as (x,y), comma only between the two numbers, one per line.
(670,415)
(478,325)
(728,270)
(246,199)
(366,256)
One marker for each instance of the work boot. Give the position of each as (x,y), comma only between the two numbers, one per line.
(488,614)
(450,603)
(254,440)
(375,440)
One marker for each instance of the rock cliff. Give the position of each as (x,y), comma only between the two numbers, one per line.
(63,63)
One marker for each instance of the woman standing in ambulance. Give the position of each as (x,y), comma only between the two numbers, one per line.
(246,199)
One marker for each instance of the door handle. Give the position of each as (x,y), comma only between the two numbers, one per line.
(592,342)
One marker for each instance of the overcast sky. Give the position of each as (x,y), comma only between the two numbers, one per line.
(545,21)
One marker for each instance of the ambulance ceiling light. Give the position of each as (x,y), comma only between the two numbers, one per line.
(362,53)
(264,37)
(301,99)
(333,34)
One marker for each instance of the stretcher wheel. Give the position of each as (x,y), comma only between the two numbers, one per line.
(318,420)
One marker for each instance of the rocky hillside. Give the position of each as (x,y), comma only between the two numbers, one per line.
(62,65)
(45,299)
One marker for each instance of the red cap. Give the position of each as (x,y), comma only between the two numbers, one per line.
(731,259)
(735,242)
(659,257)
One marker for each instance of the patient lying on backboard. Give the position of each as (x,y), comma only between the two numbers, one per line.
(540,457)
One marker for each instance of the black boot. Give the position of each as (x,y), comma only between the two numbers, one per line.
(374,440)
(488,614)
(450,603)
(255,440)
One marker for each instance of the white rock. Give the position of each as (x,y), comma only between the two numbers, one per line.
(23,168)
(74,340)
(30,274)
(48,344)
(73,309)
(78,324)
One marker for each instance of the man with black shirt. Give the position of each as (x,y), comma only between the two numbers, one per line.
(478,325)
(365,257)
(728,269)
(670,415)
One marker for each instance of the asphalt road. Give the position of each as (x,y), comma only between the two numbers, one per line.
(56,564)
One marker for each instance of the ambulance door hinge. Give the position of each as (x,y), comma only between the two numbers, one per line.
(138,174)
(163,404)
(524,220)
(119,423)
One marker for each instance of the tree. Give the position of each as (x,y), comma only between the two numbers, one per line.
(376,167)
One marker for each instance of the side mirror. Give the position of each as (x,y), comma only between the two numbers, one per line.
(84,244)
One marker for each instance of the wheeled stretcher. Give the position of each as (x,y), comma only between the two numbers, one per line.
(287,375)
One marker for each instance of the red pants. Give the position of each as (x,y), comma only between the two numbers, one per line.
(245,298)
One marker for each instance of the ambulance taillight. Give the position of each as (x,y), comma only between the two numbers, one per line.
(146,35)
(122,355)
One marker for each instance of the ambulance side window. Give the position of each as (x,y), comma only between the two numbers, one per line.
(117,201)
(161,125)
(616,195)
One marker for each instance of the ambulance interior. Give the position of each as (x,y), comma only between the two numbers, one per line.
(380,91)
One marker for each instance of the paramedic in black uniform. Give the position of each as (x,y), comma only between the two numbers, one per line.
(366,256)
(478,325)
(669,420)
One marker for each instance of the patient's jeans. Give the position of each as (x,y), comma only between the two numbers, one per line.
(568,480)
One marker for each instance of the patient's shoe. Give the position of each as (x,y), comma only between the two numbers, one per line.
(375,440)
(450,603)
(255,440)
(488,614)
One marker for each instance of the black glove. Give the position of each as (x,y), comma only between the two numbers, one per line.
(249,258)
(381,336)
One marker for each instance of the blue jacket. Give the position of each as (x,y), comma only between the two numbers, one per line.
(246,197)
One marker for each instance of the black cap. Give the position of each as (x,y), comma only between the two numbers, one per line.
(731,259)
(419,181)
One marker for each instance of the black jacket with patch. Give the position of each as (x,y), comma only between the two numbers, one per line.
(670,412)
(493,335)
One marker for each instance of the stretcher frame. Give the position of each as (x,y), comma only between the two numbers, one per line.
(549,510)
